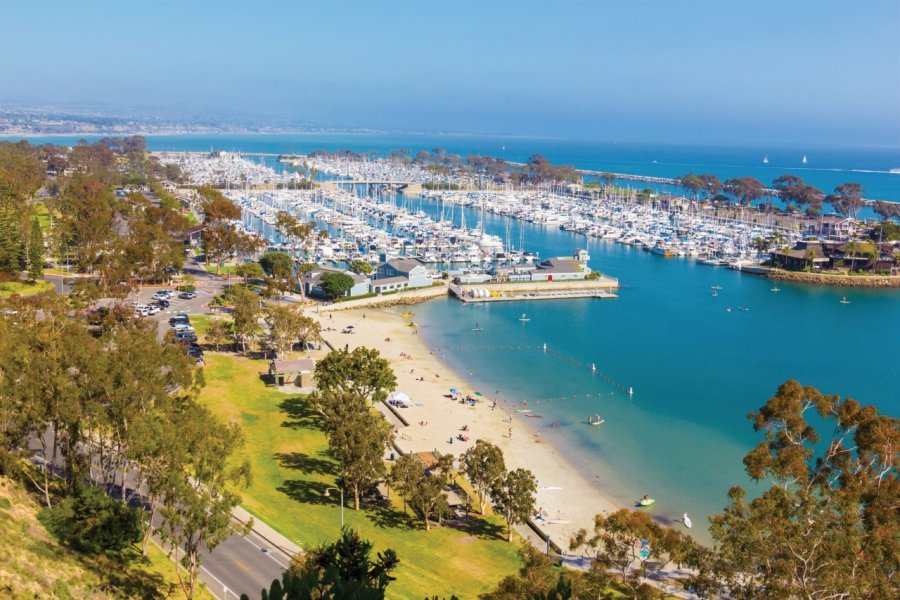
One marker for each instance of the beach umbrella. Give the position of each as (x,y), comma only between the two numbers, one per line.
(453,391)
(349,327)
(477,393)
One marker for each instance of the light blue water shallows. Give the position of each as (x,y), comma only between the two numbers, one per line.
(697,370)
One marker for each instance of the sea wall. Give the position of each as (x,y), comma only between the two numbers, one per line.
(603,283)
(400,298)
(837,280)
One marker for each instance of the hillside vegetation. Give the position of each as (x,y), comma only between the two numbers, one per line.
(34,565)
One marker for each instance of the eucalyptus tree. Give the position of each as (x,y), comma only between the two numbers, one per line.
(828,525)
(513,497)
(199,495)
(483,464)
(361,371)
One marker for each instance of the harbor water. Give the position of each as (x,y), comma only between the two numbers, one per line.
(697,362)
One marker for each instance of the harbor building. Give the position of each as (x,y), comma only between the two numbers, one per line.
(412,270)
(312,282)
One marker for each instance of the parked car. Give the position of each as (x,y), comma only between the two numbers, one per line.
(187,295)
(162,303)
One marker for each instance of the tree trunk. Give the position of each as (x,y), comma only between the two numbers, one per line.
(508,530)
(356,496)
(145,543)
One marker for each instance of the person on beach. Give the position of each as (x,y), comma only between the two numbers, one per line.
(510,433)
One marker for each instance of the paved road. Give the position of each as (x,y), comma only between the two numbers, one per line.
(240,564)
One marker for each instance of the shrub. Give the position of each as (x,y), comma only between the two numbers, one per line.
(92,522)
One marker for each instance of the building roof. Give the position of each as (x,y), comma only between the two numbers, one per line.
(316,274)
(301,365)
(560,264)
(405,264)
(386,280)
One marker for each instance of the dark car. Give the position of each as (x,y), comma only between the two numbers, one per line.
(162,303)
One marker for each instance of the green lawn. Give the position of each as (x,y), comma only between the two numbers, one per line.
(292,469)
(23,288)
(226,270)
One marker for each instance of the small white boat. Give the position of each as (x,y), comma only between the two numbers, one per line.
(844,300)
(766,159)
(523,318)
(477,327)
(776,289)
(686,520)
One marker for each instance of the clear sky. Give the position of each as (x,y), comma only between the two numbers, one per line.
(691,70)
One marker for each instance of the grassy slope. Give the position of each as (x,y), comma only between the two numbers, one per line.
(23,288)
(291,471)
(34,565)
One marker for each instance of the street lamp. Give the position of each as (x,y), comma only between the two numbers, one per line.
(328,495)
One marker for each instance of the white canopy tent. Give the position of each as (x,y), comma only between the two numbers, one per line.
(400,399)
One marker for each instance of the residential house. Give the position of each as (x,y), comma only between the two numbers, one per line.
(804,254)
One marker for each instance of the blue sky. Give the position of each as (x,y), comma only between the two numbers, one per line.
(692,70)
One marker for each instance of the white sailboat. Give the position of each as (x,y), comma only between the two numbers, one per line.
(686,520)
(524,318)
(766,159)
(804,159)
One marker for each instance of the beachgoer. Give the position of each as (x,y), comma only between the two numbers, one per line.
(510,433)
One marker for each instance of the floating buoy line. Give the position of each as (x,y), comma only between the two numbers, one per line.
(592,367)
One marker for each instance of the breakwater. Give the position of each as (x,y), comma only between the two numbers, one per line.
(834,279)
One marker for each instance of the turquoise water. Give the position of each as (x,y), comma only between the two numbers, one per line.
(696,369)
(826,168)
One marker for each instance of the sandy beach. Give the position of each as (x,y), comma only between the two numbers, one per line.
(568,500)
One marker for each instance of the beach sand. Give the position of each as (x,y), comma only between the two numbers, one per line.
(569,500)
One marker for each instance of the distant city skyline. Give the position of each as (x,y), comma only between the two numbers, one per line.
(695,71)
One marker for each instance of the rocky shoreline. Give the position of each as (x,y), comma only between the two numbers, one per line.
(833,279)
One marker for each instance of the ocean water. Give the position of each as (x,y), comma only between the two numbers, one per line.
(826,167)
(696,369)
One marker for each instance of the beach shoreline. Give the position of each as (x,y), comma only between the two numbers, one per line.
(567,498)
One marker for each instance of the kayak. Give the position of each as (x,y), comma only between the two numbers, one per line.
(646,501)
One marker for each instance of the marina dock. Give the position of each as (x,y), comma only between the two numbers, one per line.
(545,290)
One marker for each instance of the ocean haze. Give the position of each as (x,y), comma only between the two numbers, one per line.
(745,72)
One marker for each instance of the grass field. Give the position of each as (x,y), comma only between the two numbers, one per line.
(23,288)
(292,470)
(34,565)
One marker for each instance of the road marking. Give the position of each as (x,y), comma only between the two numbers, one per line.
(242,565)
(269,554)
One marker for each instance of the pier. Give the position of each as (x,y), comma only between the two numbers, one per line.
(539,290)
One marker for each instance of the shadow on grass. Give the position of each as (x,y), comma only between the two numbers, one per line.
(307,492)
(385,516)
(307,464)
(476,527)
(299,414)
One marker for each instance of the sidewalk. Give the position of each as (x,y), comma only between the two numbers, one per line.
(261,529)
